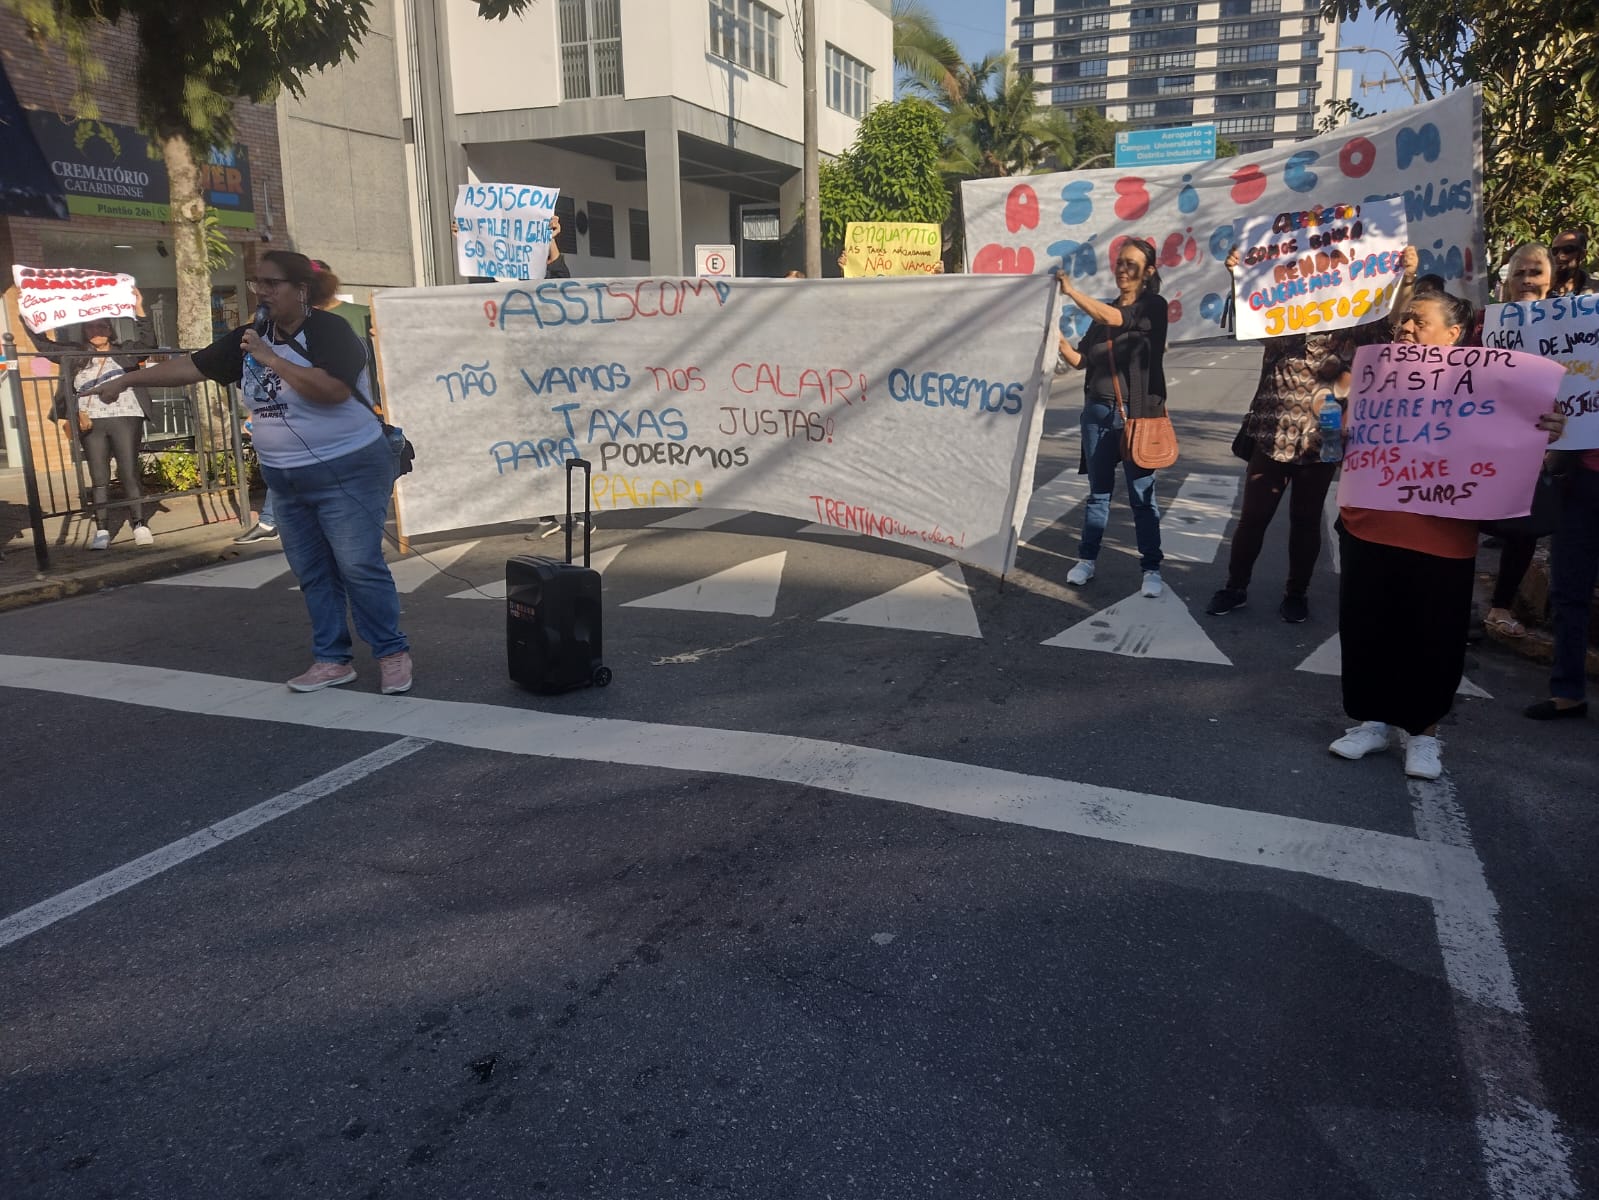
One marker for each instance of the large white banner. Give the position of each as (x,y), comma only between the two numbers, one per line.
(906,409)
(1429,154)
(1566,329)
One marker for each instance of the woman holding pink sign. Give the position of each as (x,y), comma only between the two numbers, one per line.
(1404,601)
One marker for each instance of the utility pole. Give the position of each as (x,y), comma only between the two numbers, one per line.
(813,200)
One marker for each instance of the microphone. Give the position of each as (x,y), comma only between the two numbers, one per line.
(263,319)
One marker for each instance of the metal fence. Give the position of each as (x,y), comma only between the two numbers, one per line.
(195,427)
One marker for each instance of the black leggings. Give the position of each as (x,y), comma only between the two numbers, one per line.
(119,436)
(1515,556)
(1264,484)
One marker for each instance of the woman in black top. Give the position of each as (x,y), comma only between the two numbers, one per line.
(1123,355)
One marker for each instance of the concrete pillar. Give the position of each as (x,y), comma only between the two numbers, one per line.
(665,184)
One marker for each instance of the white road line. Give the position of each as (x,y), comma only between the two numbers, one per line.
(47,912)
(747,590)
(251,572)
(1052,501)
(1361,856)
(1525,1154)
(1192,527)
(937,602)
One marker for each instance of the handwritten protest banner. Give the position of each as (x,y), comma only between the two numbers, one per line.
(502,230)
(48,297)
(905,409)
(1564,329)
(1332,268)
(1428,155)
(891,248)
(1448,431)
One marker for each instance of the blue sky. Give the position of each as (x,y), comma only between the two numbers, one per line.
(978,28)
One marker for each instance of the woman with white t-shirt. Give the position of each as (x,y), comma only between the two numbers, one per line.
(109,423)
(326,460)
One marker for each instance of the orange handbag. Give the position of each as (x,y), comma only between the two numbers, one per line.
(1150,442)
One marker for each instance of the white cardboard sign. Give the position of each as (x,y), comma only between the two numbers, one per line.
(502,230)
(906,409)
(49,297)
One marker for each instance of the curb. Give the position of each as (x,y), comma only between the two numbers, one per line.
(94,579)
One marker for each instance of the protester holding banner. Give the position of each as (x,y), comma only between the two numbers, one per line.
(1528,276)
(326,458)
(1123,356)
(1405,596)
(1282,434)
(108,424)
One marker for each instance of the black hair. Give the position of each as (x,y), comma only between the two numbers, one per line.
(1429,285)
(1147,249)
(1456,309)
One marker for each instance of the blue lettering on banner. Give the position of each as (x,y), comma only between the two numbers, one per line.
(556,303)
(470,378)
(945,389)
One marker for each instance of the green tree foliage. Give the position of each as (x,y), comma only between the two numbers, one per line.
(194,60)
(996,126)
(1538,64)
(927,61)
(889,173)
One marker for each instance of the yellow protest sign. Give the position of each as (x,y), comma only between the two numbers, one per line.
(892,248)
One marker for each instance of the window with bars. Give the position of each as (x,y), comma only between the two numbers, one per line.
(1169,61)
(1248,30)
(1310,49)
(1306,122)
(591,48)
(1231,125)
(1096,66)
(1165,14)
(566,209)
(1152,39)
(1078,91)
(638,234)
(1229,55)
(745,32)
(1307,97)
(849,83)
(1310,26)
(1024,30)
(1141,111)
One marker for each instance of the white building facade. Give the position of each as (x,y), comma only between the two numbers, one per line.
(1261,70)
(665,123)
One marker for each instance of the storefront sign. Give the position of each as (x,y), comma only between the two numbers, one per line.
(107,170)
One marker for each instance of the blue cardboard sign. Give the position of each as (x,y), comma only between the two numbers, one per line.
(1155,147)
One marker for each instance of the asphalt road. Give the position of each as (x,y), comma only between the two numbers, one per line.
(800,906)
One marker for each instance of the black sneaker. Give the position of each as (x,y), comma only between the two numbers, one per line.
(547,527)
(1226,600)
(1294,609)
(256,533)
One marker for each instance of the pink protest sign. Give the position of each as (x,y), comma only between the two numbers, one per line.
(1447,431)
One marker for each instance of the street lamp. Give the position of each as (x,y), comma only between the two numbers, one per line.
(1407,80)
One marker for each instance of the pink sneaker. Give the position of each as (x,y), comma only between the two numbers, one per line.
(322,675)
(396,669)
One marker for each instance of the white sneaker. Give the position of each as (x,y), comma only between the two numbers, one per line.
(1152,584)
(1422,759)
(142,536)
(1081,573)
(102,540)
(1364,739)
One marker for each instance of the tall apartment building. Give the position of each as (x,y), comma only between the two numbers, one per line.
(1259,69)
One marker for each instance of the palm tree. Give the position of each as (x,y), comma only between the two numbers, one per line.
(928,61)
(996,126)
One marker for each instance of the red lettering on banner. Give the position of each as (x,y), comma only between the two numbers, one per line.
(1249,184)
(1132,198)
(995,259)
(1021,208)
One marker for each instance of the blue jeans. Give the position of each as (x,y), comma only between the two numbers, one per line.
(330,517)
(268,512)
(1102,446)
(1573,568)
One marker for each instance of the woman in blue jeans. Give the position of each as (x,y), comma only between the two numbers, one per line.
(1123,356)
(325,459)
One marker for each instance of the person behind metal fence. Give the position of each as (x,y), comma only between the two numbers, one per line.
(1123,354)
(325,458)
(110,423)
(1404,599)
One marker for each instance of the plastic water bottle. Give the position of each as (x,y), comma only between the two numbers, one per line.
(1331,423)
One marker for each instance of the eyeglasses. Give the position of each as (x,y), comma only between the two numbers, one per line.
(265,283)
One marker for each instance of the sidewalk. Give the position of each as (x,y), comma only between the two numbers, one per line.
(190,532)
